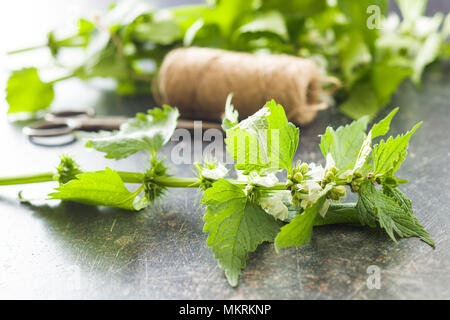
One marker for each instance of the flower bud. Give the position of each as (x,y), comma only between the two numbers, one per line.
(340,190)
(298,176)
(304,168)
(329,175)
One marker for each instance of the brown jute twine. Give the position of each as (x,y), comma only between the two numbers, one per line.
(198,81)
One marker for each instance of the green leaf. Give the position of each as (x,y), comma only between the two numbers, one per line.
(271,22)
(345,143)
(358,16)
(295,8)
(265,140)
(26,92)
(100,188)
(361,102)
(370,94)
(147,132)
(428,53)
(381,128)
(388,155)
(103,59)
(354,56)
(391,210)
(163,32)
(385,80)
(235,225)
(231,115)
(299,230)
(123,13)
(378,129)
(227,15)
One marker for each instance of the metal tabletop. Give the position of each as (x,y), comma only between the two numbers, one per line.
(68,250)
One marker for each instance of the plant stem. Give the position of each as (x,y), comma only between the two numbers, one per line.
(62,78)
(127,177)
(27,49)
(339,213)
(30,178)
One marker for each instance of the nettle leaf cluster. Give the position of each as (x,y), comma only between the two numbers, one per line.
(273,199)
(370,51)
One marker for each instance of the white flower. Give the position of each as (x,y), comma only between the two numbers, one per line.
(330,162)
(309,186)
(424,26)
(275,206)
(315,172)
(315,191)
(391,23)
(268,180)
(324,209)
(216,173)
(345,174)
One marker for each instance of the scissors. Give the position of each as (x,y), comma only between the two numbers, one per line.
(64,123)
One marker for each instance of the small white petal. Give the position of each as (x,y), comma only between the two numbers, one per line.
(324,209)
(275,206)
(267,181)
(217,173)
(330,162)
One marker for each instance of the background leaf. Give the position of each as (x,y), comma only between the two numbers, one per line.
(26,92)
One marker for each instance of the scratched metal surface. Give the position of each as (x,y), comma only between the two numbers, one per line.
(67,250)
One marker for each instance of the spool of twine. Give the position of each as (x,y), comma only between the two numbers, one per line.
(198,81)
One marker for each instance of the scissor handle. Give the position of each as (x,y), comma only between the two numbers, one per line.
(69,114)
(46,128)
(100,123)
(62,123)
(60,126)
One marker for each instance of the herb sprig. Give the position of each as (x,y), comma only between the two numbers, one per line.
(257,207)
(370,52)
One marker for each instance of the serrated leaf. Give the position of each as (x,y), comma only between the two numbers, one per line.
(381,128)
(391,210)
(344,143)
(147,132)
(235,225)
(265,140)
(100,188)
(388,155)
(378,129)
(299,231)
(26,92)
